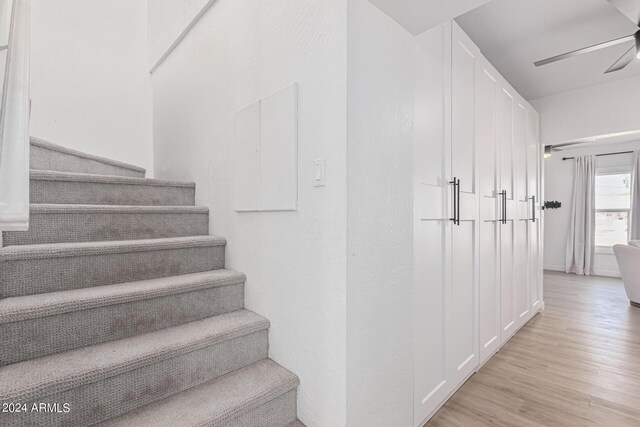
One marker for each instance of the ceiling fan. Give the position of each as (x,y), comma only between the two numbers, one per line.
(631,9)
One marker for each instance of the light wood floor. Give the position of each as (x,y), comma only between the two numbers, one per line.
(576,364)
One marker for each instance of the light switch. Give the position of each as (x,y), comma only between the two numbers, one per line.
(320,169)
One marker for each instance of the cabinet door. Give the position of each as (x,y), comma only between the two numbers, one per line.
(534,158)
(462,325)
(522,216)
(489,262)
(504,133)
(432,224)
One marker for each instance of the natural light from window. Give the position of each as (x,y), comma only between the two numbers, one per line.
(613,204)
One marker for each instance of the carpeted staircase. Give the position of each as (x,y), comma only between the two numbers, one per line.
(116,309)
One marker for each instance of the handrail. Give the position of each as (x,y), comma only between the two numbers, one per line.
(14,123)
(182,34)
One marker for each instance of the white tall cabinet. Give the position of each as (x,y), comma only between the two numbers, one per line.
(476,195)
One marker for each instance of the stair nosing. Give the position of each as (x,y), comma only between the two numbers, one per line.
(51,379)
(275,388)
(76,249)
(21,308)
(47,175)
(49,208)
(39,142)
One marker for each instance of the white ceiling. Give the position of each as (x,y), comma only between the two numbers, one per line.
(417,16)
(513,34)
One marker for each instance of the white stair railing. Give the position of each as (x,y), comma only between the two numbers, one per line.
(14,119)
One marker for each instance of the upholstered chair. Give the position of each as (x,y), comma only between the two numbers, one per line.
(629,262)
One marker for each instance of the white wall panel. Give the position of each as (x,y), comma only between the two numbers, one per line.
(279,150)
(266,153)
(247,158)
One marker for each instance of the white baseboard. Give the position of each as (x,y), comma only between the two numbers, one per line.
(608,273)
(604,273)
(554,267)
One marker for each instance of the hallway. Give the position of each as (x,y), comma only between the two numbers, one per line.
(578,363)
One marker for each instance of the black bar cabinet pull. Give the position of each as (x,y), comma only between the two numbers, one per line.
(533,208)
(455,200)
(504,218)
(458,214)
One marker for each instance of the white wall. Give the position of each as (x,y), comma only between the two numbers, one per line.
(381,71)
(559,186)
(90,86)
(596,110)
(239,52)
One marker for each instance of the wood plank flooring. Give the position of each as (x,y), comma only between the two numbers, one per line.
(576,364)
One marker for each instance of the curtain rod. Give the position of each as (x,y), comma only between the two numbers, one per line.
(602,155)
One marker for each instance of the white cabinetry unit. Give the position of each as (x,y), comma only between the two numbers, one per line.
(462,353)
(476,194)
(535,162)
(490,210)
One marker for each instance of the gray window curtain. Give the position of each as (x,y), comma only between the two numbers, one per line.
(581,247)
(634,223)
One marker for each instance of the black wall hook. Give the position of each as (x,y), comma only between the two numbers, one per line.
(552,205)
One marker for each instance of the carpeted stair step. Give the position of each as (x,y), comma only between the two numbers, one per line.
(47,156)
(48,187)
(36,269)
(108,380)
(38,325)
(91,223)
(259,395)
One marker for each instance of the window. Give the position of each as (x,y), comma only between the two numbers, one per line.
(613,204)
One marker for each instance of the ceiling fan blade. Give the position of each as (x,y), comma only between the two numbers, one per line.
(626,59)
(629,8)
(584,50)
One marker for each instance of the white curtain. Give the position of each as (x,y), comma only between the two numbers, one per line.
(581,246)
(634,223)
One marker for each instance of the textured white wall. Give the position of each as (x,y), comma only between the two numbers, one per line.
(381,70)
(239,52)
(559,186)
(90,86)
(596,110)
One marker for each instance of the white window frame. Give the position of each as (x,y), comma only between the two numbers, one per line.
(612,170)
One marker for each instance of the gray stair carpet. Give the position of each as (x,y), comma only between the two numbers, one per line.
(34,269)
(43,324)
(116,308)
(89,223)
(259,394)
(88,189)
